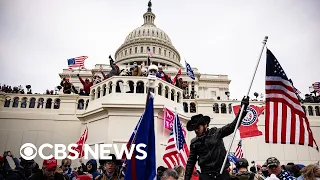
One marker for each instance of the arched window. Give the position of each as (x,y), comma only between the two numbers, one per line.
(119,86)
(7,102)
(136,50)
(130,51)
(80,104)
(193,108)
(104,90)
(304,109)
(317,110)
(160,89)
(87,103)
(140,87)
(24,102)
(110,87)
(178,97)
(159,51)
(310,110)
(98,91)
(15,102)
(40,103)
(167,91)
(93,94)
(230,108)
(49,103)
(172,94)
(141,49)
(56,104)
(125,52)
(185,107)
(32,103)
(223,108)
(153,50)
(216,107)
(131,86)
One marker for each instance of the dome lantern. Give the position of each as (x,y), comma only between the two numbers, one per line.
(149,16)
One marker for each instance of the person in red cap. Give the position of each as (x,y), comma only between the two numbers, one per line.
(49,168)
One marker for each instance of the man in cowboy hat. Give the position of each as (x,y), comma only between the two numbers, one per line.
(208,148)
(110,171)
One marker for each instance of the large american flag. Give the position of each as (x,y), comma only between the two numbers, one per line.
(239,152)
(286,122)
(177,151)
(76,62)
(316,86)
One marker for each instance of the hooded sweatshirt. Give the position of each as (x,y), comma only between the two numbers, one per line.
(94,172)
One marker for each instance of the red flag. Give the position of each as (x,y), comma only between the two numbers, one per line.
(249,127)
(80,144)
(175,77)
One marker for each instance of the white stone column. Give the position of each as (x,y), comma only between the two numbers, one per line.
(96,94)
(175,97)
(163,91)
(169,94)
(189,89)
(114,85)
(101,92)
(196,88)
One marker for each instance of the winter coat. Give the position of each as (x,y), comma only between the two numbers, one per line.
(94,172)
(209,150)
(86,86)
(137,71)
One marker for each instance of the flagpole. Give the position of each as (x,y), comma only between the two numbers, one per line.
(242,108)
(148,97)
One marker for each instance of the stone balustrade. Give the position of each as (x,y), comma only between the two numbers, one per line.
(134,85)
(225,107)
(43,101)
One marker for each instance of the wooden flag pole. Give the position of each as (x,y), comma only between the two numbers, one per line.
(242,108)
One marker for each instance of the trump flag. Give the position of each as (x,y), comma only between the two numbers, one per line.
(249,127)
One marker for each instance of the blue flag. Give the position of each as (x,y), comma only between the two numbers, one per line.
(143,169)
(232,158)
(189,71)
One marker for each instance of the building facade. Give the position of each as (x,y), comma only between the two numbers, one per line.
(111,113)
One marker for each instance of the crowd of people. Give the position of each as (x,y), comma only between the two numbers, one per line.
(136,70)
(13,168)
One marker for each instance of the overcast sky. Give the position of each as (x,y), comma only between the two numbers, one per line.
(218,37)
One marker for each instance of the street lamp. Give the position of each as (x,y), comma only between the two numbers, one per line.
(228,94)
(311,90)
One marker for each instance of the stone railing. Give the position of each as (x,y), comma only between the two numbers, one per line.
(225,107)
(43,101)
(134,85)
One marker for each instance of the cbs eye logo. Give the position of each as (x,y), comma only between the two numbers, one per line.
(28,151)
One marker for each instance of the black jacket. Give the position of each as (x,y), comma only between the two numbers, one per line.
(209,150)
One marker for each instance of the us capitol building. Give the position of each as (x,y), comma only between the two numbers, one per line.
(111,115)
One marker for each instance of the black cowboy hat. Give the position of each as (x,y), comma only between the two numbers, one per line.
(113,159)
(197,120)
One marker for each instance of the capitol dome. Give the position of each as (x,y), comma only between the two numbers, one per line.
(136,44)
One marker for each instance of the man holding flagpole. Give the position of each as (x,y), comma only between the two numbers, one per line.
(208,148)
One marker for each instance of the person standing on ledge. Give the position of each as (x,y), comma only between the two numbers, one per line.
(208,148)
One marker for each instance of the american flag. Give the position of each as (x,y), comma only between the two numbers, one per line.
(286,122)
(239,152)
(177,151)
(149,52)
(316,86)
(76,62)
